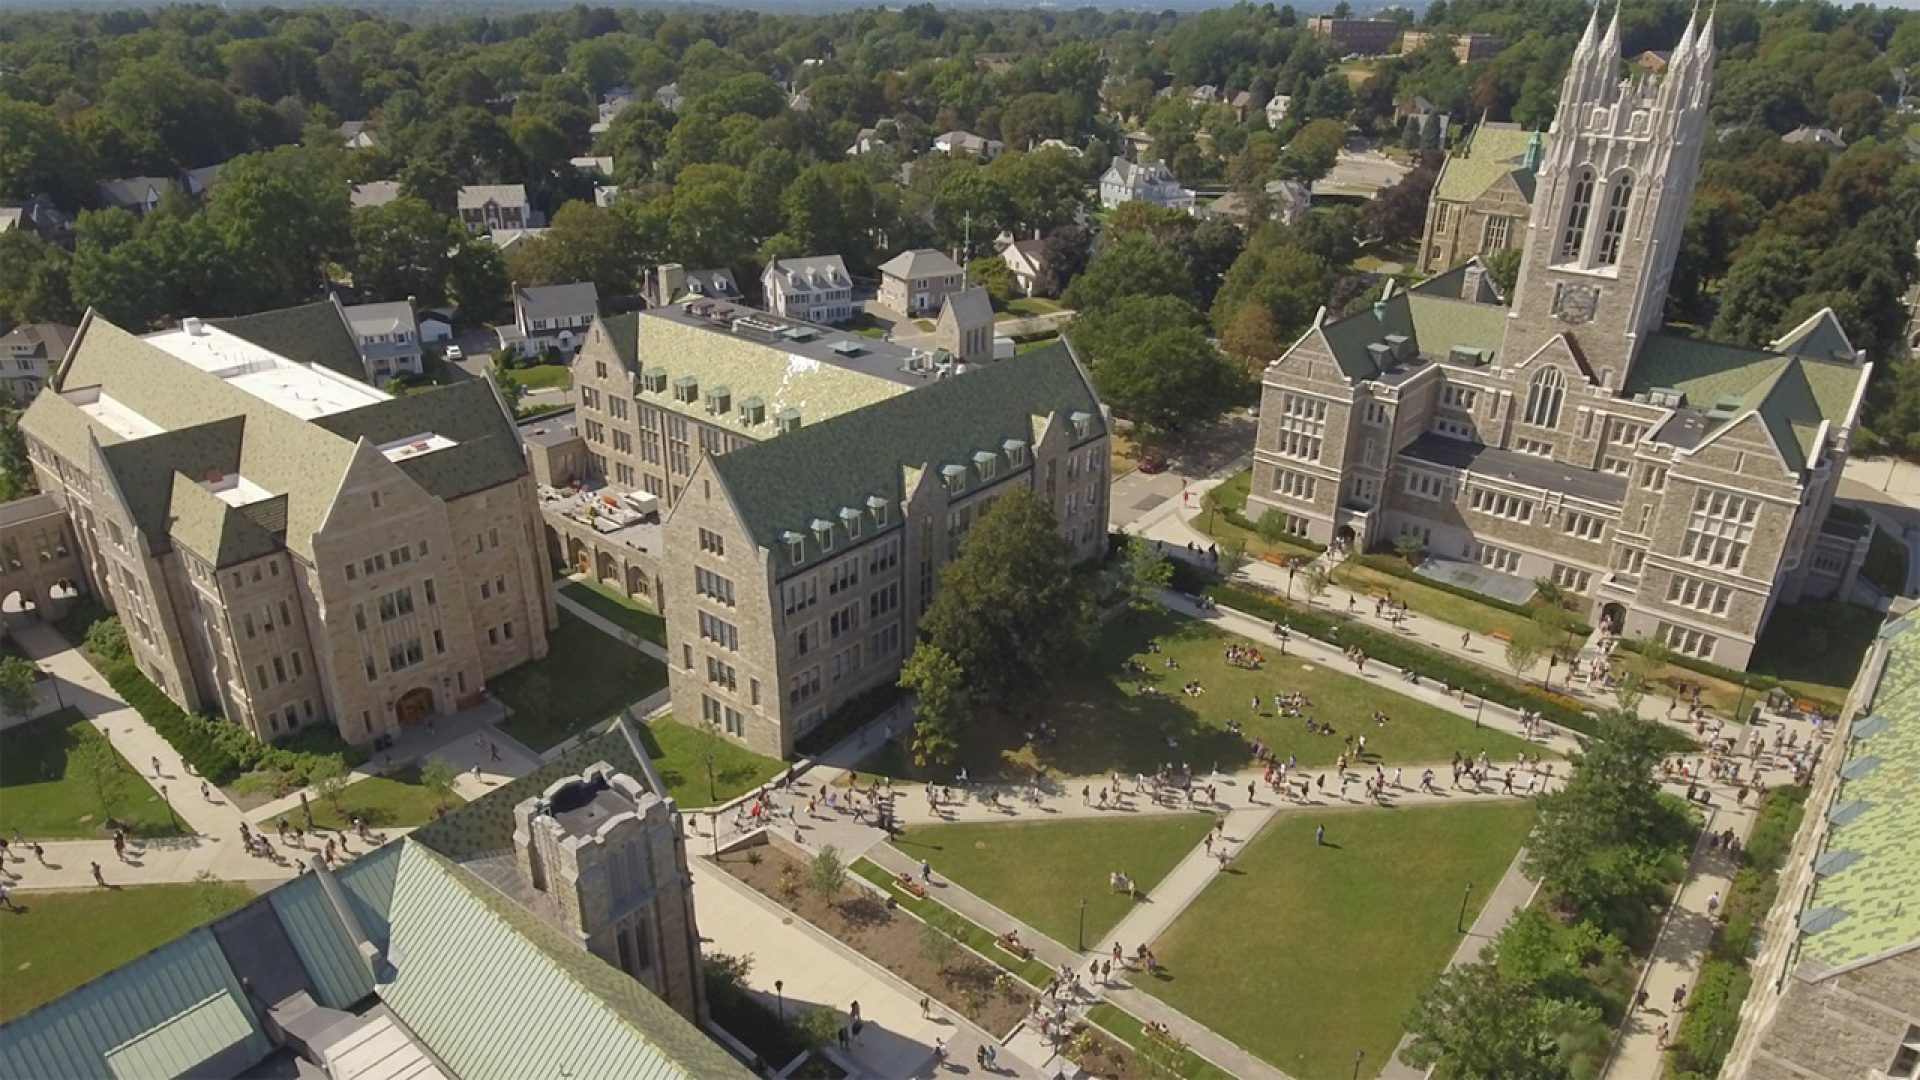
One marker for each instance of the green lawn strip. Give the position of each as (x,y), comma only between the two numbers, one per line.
(1816,648)
(544,377)
(1035,973)
(1228,522)
(47,793)
(616,607)
(396,801)
(1483,620)
(1340,938)
(1039,871)
(680,751)
(64,939)
(1125,1027)
(587,677)
(1105,723)
(1032,306)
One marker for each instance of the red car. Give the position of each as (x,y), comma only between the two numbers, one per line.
(1151,465)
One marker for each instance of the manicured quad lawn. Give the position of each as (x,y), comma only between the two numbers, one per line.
(618,608)
(1308,954)
(46,794)
(397,801)
(587,677)
(62,939)
(1039,871)
(545,377)
(679,752)
(1105,723)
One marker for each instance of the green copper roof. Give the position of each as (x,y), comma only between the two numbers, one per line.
(1493,151)
(1791,395)
(783,485)
(1436,324)
(1868,904)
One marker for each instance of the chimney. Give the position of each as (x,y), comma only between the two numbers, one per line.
(1471,279)
(669,279)
(369,953)
(193,326)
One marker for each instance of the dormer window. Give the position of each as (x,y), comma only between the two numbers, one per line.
(686,389)
(753,411)
(1082,424)
(823,533)
(719,400)
(955,477)
(850,520)
(654,380)
(786,421)
(877,506)
(796,546)
(1016,452)
(987,463)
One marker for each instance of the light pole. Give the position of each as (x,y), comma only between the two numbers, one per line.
(1479,702)
(1080,937)
(1460,924)
(711,796)
(780,995)
(1358,1057)
(1293,567)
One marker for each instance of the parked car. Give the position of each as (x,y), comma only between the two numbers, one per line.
(1151,465)
(454,353)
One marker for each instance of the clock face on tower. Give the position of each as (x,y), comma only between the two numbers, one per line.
(1574,302)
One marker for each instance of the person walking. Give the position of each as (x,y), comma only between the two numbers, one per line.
(926,872)
(925,1008)
(156,766)
(1319,836)
(1713,905)
(6,900)
(1679,995)
(97,879)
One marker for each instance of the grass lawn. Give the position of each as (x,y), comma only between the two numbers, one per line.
(1184,1063)
(1122,454)
(1039,871)
(545,377)
(924,324)
(63,939)
(396,801)
(1816,648)
(1482,619)
(616,607)
(1338,940)
(1029,345)
(586,678)
(679,752)
(1028,306)
(1220,526)
(1105,723)
(46,793)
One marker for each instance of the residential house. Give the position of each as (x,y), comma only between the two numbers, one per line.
(1466,47)
(1061,145)
(388,338)
(965,327)
(966,142)
(512,240)
(1412,107)
(374,193)
(11,218)
(669,97)
(600,166)
(1127,181)
(671,282)
(606,195)
(287,546)
(137,194)
(1277,107)
(1483,198)
(815,289)
(550,317)
(867,142)
(486,207)
(917,282)
(1824,138)
(38,213)
(28,355)
(1243,105)
(1653,61)
(1286,201)
(436,325)
(1032,274)
(201,180)
(358,135)
(1205,94)
(800,100)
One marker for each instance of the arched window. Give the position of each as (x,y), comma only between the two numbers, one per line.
(1614,226)
(1544,394)
(1579,208)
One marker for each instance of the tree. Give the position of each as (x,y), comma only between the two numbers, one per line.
(19,695)
(1761,285)
(1009,610)
(212,897)
(1504,265)
(936,946)
(16,473)
(1143,574)
(827,874)
(39,157)
(284,215)
(1153,364)
(404,249)
(1525,650)
(327,775)
(942,707)
(33,280)
(1310,155)
(1273,527)
(1473,1022)
(1290,283)
(1253,338)
(477,279)
(1129,265)
(1410,546)
(1399,213)
(100,768)
(438,776)
(993,273)
(817,1026)
(585,243)
(107,640)
(1315,582)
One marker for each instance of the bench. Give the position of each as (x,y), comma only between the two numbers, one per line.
(908,884)
(1276,559)
(1381,594)
(1502,636)
(1014,947)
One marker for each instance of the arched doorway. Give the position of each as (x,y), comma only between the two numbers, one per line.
(19,606)
(64,589)
(1345,538)
(1613,616)
(637,582)
(609,571)
(578,557)
(414,707)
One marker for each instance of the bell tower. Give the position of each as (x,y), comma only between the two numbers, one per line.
(1613,194)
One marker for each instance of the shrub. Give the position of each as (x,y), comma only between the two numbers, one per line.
(196,739)
(1713,1015)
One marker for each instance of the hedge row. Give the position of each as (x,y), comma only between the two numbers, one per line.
(195,738)
(1239,518)
(1428,662)
(1397,567)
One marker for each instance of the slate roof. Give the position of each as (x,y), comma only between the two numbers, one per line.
(384,318)
(785,484)
(1493,151)
(1435,321)
(970,307)
(1865,905)
(920,263)
(375,193)
(313,333)
(132,191)
(475,196)
(1497,464)
(46,341)
(557,301)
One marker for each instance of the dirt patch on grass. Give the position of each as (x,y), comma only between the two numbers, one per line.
(982,992)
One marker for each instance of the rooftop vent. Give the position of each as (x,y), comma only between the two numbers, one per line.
(1402,346)
(1467,356)
(757,327)
(1381,353)
(847,347)
(1667,397)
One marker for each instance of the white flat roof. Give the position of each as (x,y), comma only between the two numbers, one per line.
(415,445)
(235,490)
(300,389)
(112,413)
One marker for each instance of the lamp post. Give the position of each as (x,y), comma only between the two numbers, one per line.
(1358,1057)
(1080,937)
(1460,924)
(711,796)
(1739,709)
(1293,567)
(780,995)
(1479,702)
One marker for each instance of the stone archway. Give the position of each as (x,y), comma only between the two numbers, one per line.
(606,569)
(414,707)
(577,555)
(637,582)
(19,606)
(1613,616)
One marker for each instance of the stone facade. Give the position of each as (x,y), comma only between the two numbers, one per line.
(288,552)
(607,855)
(1483,198)
(1368,37)
(1680,488)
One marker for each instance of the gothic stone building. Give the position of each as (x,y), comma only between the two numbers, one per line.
(1483,196)
(1679,486)
(286,545)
